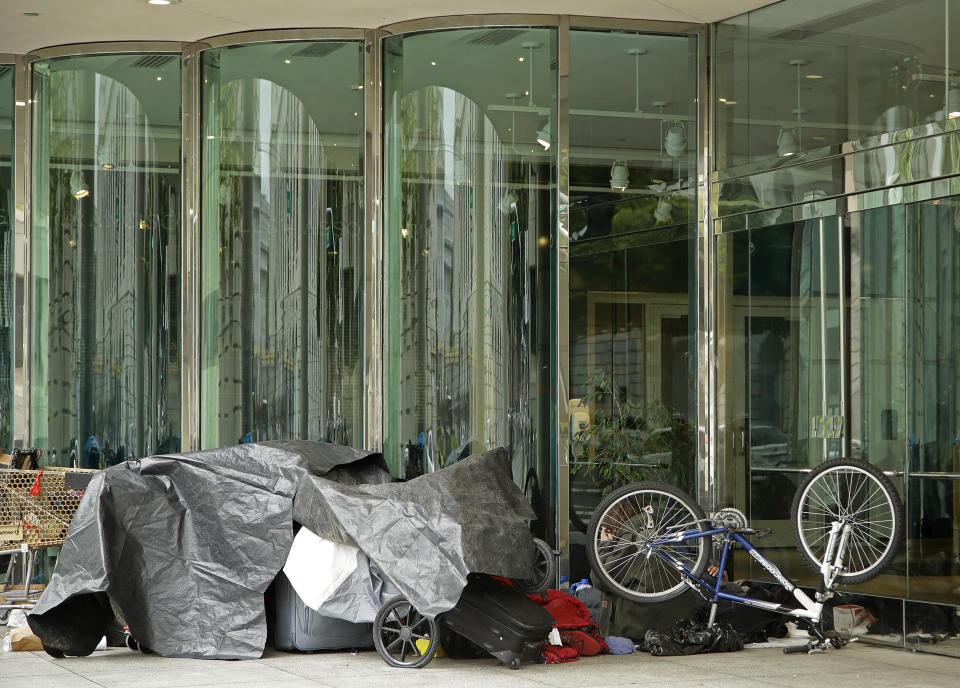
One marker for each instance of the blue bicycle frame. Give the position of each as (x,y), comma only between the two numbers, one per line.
(809,610)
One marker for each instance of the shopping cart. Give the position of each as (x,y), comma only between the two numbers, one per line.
(36,507)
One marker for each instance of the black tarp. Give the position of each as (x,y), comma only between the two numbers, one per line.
(183,546)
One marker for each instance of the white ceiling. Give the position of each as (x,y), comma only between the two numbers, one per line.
(81,21)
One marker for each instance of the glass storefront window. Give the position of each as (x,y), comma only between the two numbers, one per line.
(793,77)
(105,252)
(633,281)
(471,197)
(282,249)
(7,232)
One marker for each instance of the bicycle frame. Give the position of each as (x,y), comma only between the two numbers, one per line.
(809,609)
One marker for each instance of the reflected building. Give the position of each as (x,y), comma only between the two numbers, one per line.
(563,235)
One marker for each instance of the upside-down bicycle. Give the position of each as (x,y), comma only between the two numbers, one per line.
(650,541)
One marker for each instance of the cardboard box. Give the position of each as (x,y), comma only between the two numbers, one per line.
(23,640)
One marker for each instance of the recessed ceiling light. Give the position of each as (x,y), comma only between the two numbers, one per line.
(159,78)
(819,138)
(21,103)
(211,136)
(519,59)
(814,76)
(287,61)
(433,62)
(159,2)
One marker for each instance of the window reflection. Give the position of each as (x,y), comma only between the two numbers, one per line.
(282,251)
(106,256)
(7,231)
(632,281)
(855,69)
(471,191)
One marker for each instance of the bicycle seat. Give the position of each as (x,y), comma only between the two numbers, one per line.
(755,532)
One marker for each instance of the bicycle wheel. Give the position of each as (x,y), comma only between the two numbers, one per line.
(630,519)
(544,570)
(403,636)
(851,492)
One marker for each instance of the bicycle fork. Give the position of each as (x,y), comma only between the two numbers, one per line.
(837,543)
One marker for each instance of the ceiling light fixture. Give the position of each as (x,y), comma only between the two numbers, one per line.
(787,143)
(619,176)
(790,139)
(78,187)
(663,211)
(952,103)
(814,76)
(106,154)
(508,201)
(675,141)
(543,134)
(159,2)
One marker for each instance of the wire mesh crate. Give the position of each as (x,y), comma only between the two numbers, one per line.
(36,507)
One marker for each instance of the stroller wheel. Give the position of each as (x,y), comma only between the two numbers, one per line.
(544,570)
(403,636)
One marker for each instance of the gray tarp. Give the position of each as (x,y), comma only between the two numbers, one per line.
(184,546)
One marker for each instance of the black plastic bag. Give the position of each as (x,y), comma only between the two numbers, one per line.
(691,638)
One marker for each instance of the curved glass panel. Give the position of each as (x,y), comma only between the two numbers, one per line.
(7,230)
(105,251)
(282,250)
(633,278)
(470,187)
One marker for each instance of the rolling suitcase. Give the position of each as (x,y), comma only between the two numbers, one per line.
(504,622)
(300,628)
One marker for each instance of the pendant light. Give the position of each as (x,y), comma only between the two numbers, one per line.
(790,139)
(619,176)
(78,186)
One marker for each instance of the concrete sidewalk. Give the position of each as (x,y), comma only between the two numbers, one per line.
(856,666)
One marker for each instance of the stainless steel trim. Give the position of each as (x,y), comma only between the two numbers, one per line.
(904,194)
(638,25)
(768,469)
(20,429)
(190,242)
(892,474)
(375,286)
(706,344)
(469,21)
(280,36)
(911,134)
(562,345)
(903,151)
(936,475)
(105,48)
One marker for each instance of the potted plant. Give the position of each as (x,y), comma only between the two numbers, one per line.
(626,441)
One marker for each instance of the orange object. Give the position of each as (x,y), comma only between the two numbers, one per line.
(35,490)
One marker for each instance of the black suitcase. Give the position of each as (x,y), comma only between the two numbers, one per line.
(504,622)
(300,628)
